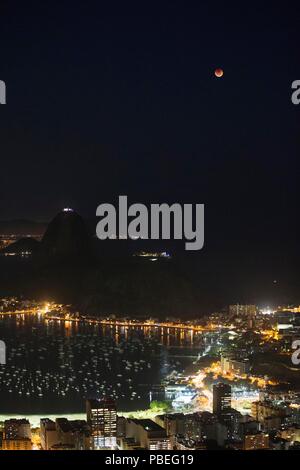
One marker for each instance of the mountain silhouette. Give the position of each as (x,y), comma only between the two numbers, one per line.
(66,236)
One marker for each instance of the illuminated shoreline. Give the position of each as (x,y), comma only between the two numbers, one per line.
(34,419)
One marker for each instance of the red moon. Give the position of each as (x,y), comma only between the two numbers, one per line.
(219,73)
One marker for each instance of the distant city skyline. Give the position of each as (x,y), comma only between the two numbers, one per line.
(215,394)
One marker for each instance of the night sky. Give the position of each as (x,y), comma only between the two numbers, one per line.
(109,101)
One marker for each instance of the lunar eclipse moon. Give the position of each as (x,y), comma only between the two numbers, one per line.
(219,73)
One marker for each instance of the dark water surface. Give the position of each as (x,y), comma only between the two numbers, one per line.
(52,366)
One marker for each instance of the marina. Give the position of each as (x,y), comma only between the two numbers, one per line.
(53,365)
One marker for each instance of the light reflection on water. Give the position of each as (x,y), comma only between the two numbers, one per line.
(52,366)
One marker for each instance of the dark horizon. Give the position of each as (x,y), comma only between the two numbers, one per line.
(104,102)
(199,282)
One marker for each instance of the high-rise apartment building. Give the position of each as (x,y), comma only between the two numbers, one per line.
(102,420)
(242,310)
(221,398)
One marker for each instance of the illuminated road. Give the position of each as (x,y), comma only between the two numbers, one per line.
(66,316)
(131,324)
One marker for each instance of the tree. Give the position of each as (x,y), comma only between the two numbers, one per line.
(156,405)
